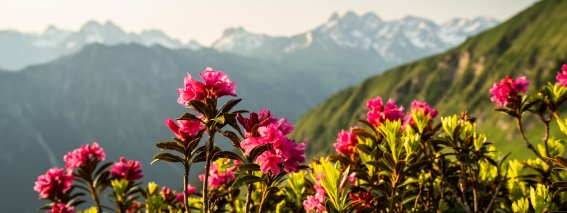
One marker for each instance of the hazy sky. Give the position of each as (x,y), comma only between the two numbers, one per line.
(204,20)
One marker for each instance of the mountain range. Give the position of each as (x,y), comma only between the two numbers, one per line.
(394,41)
(119,90)
(23,49)
(531,43)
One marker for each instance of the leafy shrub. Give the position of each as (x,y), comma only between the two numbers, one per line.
(395,162)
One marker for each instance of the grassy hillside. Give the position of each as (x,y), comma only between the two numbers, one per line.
(532,43)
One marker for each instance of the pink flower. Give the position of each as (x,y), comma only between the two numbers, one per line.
(378,113)
(131,170)
(261,129)
(352,178)
(216,85)
(251,142)
(255,120)
(190,191)
(508,88)
(61,208)
(346,142)
(82,155)
(315,203)
(53,184)
(219,175)
(269,162)
(179,197)
(421,106)
(562,76)
(184,129)
(166,192)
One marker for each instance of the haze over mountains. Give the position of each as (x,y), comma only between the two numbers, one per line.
(117,88)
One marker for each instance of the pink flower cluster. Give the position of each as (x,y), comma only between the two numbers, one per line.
(508,88)
(61,208)
(315,203)
(184,129)
(131,170)
(82,155)
(420,106)
(346,142)
(219,173)
(190,191)
(378,112)
(54,183)
(216,85)
(562,76)
(166,192)
(261,129)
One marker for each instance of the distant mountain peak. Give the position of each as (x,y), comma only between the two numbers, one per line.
(390,39)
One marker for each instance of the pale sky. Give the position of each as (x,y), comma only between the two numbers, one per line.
(205,20)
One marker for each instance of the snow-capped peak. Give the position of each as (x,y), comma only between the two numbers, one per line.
(238,40)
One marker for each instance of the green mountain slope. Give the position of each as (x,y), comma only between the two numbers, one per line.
(532,43)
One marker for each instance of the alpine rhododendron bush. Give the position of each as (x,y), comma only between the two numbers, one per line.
(397,159)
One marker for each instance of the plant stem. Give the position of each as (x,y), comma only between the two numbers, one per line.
(248,199)
(467,207)
(263,199)
(475,199)
(185,182)
(494,196)
(461,201)
(546,137)
(526,141)
(94,195)
(209,149)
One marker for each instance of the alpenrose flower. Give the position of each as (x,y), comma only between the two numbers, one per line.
(131,170)
(216,85)
(269,162)
(508,88)
(82,155)
(346,142)
(255,120)
(378,112)
(190,190)
(315,203)
(184,129)
(421,106)
(54,183)
(219,173)
(562,76)
(61,208)
(261,129)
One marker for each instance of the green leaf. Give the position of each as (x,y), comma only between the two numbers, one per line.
(175,146)
(249,167)
(257,151)
(227,154)
(364,148)
(233,138)
(245,180)
(164,156)
(229,105)
(189,116)
(200,107)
